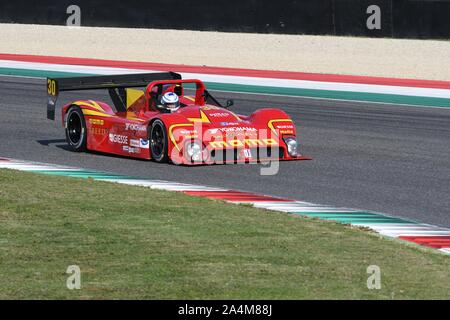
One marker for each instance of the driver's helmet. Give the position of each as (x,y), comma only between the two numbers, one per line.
(169,102)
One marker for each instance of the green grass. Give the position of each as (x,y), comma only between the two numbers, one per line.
(137,243)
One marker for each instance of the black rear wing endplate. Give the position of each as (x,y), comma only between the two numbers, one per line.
(56,85)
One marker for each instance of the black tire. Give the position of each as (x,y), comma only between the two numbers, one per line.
(158,142)
(76,133)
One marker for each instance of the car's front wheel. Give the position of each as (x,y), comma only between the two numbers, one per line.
(159,142)
(76,129)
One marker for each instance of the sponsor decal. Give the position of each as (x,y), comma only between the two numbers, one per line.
(229,123)
(191,136)
(131,149)
(134,143)
(219,114)
(116,138)
(186,132)
(98,122)
(135,127)
(238,129)
(243,143)
(98,131)
(144,144)
(247,153)
(285,126)
(287,131)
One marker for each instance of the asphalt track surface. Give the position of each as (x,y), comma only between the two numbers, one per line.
(388,158)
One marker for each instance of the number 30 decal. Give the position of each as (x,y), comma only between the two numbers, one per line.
(51,87)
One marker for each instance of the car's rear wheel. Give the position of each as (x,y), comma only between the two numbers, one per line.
(76,129)
(159,142)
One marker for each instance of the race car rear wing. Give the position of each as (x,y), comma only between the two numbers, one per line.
(111,82)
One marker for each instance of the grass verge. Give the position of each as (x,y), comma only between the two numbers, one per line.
(136,243)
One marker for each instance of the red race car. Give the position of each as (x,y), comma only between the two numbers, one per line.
(163,123)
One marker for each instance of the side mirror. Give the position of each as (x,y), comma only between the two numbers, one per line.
(229,103)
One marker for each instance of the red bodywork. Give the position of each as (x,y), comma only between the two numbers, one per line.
(224,135)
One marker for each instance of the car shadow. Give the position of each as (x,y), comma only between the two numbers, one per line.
(62,144)
(59,143)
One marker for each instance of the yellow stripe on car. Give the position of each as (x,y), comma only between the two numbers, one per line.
(203,118)
(90,104)
(88,112)
(172,138)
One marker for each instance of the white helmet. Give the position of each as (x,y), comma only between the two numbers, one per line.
(169,102)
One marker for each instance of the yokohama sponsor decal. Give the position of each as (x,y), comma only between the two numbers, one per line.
(135,127)
(406,230)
